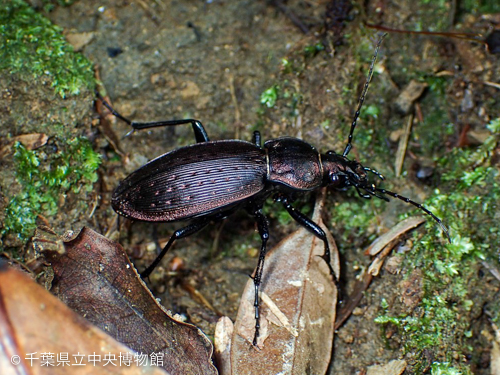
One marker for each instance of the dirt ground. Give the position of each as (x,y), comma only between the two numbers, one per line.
(212,61)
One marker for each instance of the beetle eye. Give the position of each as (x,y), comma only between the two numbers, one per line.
(337,180)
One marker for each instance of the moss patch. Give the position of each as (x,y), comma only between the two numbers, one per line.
(31,46)
(441,323)
(44,179)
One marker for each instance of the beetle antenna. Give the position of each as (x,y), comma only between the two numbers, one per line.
(365,196)
(362,97)
(419,206)
(113,112)
(372,192)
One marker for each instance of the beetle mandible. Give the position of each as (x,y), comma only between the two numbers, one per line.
(210,180)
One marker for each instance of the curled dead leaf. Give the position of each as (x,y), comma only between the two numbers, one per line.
(36,328)
(397,231)
(395,367)
(96,279)
(31,141)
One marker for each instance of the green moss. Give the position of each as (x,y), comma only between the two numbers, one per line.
(431,329)
(437,85)
(286,66)
(31,46)
(44,178)
(431,15)
(369,111)
(494,126)
(438,368)
(480,7)
(311,51)
(285,93)
(269,96)
(275,211)
(353,217)
(470,211)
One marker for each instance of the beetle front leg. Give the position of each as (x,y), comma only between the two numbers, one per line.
(314,228)
(179,233)
(262,225)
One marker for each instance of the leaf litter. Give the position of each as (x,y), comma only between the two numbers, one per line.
(298,303)
(95,278)
(33,322)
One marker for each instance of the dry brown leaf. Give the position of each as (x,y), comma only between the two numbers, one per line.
(34,321)
(495,351)
(410,93)
(79,40)
(96,279)
(223,336)
(31,141)
(297,310)
(402,146)
(106,119)
(493,270)
(395,367)
(395,232)
(379,260)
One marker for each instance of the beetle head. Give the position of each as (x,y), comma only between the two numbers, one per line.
(341,173)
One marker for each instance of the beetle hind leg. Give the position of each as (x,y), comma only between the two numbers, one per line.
(179,233)
(200,133)
(263,227)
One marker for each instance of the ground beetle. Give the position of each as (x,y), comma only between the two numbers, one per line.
(210,180)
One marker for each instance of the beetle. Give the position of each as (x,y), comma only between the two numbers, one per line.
(210,180)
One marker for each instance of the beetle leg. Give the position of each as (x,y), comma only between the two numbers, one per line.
(256,139)
(315,229)
(179,233)
(199,131)
(262,225)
